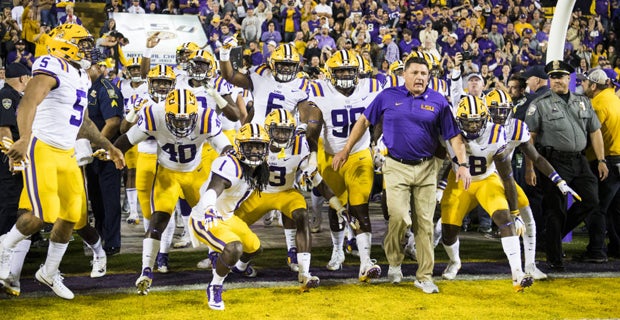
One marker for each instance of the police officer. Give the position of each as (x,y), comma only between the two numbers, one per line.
(560,123)
(11,183)
(105,109)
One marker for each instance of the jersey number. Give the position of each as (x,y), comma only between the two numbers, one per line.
(180,153)
(277,176)
(344,120)
(272,102)
(477,165)
(203,101)
(77,117)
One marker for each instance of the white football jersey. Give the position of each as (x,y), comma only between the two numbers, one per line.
(178,154)
(149,145)
(270,94)
(393,81)
(129,92)
(59,116)
(480,151)
(341,112)
(283,165)
(229,168)
(517,133)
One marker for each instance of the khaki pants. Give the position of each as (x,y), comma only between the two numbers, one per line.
(411,189)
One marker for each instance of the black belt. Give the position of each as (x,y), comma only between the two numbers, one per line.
(409,162)
(549,152)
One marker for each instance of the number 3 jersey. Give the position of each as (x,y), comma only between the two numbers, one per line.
(283,165)
(480,151)
(178,154)
(270,94)
(59,116)
(340,112)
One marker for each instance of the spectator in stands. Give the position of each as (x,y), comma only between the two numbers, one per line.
(20,55)
(270,19)
(61,6)
(189,6)
(270,35)
(136,8)
(30,27)
(250,27)
(314,22)
(324,38)
(170,8)
(45,12)
(40,40)
(69,17)
(108,26)
(428,32)
(291,18)
(408,43)
(270,47)
(391,49)
(323,9)
(312,50)
(256,57)
(152,8)
(299,43)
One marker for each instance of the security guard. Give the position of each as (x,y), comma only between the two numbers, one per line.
(560,123)
(598,87)
(11,183)
(105,109)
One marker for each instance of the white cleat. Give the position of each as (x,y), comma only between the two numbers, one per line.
(452,269)
(308,281)
(395,274)
(143,284)
(204,264)
(369,270)
(55,283)
(134,218)
(532,270)
(99,267)
(335,263)
(5,260)
(11,286)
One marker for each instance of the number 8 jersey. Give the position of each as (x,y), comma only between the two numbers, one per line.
(59,116)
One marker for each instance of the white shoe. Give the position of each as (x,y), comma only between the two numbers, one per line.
(452,269)
(395,275)
(184,242)
(55,283)
(532,270)
(214,296)
(427,286)
(134,218)
(5,260)
(11,286)
(270,217)
(523,281)
(369,270)
(308,281)
(99,267)
(143,283)
(204,264)
(335,263)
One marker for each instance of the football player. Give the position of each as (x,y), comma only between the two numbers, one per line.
(494,191)
(180,128)
(132,86)
(395,75)
(53,112)
(233,177)
(500,108)
(182,58)
(341,100)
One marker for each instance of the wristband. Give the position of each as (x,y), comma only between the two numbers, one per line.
(147,53)
(224,55)
(442,184)
(555,177)
(602,161)
(220,101)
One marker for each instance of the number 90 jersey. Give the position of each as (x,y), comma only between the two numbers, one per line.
(341,112)
(178,154)
(480,151)
(283,165)
(270,94)
(59,116)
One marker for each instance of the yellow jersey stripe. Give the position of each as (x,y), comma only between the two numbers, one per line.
(495,134)
(261,69)
(218,83)
(205,121)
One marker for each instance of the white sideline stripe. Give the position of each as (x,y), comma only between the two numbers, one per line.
(326,283)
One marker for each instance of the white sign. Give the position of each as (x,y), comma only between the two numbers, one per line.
(174,30)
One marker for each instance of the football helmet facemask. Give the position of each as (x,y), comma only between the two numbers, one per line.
(181,112)
(252,142)
(132,70)
(71,42)
(500,106)
(280,125)
(284,63)
(343,68)
(183,53)
(471,117)
(161,79)
(201,65)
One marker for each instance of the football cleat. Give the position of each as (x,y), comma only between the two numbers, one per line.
(535,272)
(5,261)
(522,282)
(183,242)
(134,218)
(162,263)
(143,284)
(335,263)
(214,295)
(291,259)
(11,286)
(427,286)
(99,267)
(308,281)
(369,270)
(395,274)
(55,283)
(270,217)
(209,262)
(249,272)
(452,269)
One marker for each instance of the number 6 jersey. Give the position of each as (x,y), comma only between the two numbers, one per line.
(59,116)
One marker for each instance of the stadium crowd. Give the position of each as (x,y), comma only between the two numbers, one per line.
(482,63)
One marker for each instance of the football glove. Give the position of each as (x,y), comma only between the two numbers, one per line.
(565,189)
(227,45)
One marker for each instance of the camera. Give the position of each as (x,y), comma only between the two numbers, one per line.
(467,55)
(291,3)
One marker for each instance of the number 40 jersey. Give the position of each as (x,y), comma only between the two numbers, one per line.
(340,112)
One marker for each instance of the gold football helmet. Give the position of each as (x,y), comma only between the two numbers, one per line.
(343,68)
(500,106)
(160,79)
(132,70)
(201,65)
(365,67)
(183,52)
(280,125)
(471,116)
(181,112)
(252,142)
(397,68)
(284,63)
(71,42)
